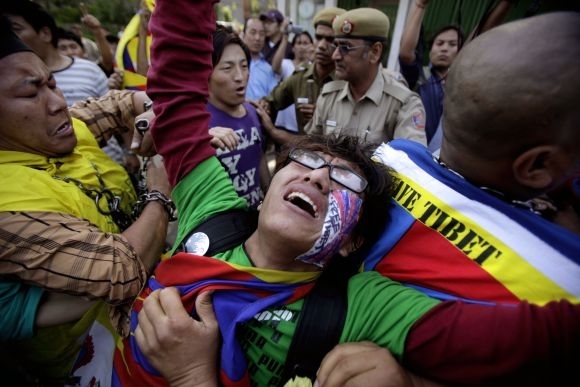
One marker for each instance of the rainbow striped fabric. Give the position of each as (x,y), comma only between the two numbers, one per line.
(452,239)
(239,294)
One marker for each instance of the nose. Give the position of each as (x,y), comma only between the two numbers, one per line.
(56,101)
(320,177)
(238,74)
(336,55)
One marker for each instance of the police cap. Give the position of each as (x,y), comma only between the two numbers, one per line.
(326,16)
(362,23)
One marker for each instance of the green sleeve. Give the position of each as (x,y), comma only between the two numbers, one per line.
(18,306)
(206,190)
(382,311)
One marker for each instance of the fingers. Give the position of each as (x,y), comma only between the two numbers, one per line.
(83,9)
(205,311)
(361,363)
(171,304)
(115,80)
(142,142)
(224,138)
(145,333)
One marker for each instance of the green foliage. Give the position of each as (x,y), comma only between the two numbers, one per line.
(113,14)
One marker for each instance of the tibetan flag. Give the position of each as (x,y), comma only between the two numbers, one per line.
(126,54)
(239,293)
(453,239)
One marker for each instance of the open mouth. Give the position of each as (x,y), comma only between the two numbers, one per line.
(64,127)
(303,202)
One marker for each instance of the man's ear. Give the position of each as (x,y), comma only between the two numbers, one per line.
(45,34)
(375,51)
(538,167)
(349,246)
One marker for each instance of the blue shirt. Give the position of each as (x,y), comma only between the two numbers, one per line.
(431,92)
(262,79)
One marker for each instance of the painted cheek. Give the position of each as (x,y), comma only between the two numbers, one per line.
(341,217)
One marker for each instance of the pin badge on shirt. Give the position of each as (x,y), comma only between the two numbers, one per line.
(197,243)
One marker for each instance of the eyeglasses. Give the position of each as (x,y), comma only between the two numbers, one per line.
(319,37)
(344,49)
(342,175)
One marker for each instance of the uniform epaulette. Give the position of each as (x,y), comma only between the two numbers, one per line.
(333,86)
(396,89)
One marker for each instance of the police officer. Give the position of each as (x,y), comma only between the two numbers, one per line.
(302,87)
(364,100)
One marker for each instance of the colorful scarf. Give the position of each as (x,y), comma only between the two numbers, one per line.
(239,294)
(455,240)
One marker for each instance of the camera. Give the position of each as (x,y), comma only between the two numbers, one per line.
(294,29)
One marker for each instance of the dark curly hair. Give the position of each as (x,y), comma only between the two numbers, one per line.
(377,195)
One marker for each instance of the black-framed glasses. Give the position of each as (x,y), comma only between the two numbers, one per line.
(320,37)
(338,173)
(345,49)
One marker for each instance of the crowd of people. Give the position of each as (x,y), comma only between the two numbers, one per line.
(336,222)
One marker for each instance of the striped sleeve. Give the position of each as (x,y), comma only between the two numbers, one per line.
(61,253)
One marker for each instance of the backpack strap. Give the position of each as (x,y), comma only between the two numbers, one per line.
(321,321)
(221,232)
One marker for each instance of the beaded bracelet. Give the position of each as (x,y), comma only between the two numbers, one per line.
(152,196)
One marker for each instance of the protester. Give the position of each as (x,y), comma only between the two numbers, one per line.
(274,30)
(262,76)
(464,225)
(65,220)
(106,60)
(70,44)
(364,101)
(235,125)
(429,81)
(309,215)
(306,81)
(302,46)
(91,47)
(77,78)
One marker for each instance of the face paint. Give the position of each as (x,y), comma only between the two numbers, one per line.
(341,217)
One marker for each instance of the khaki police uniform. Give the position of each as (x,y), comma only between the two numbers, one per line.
(386,111)
(294,87)
(290,90)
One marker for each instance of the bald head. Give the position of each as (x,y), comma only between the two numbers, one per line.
(516,86)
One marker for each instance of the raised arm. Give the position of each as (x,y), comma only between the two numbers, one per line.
(492,19)
(281,51)
(93,24)
(410,37)
(180,129)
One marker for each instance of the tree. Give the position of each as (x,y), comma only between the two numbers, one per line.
(113,14)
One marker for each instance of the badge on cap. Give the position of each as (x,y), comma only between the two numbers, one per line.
(346,27)
(198,243)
